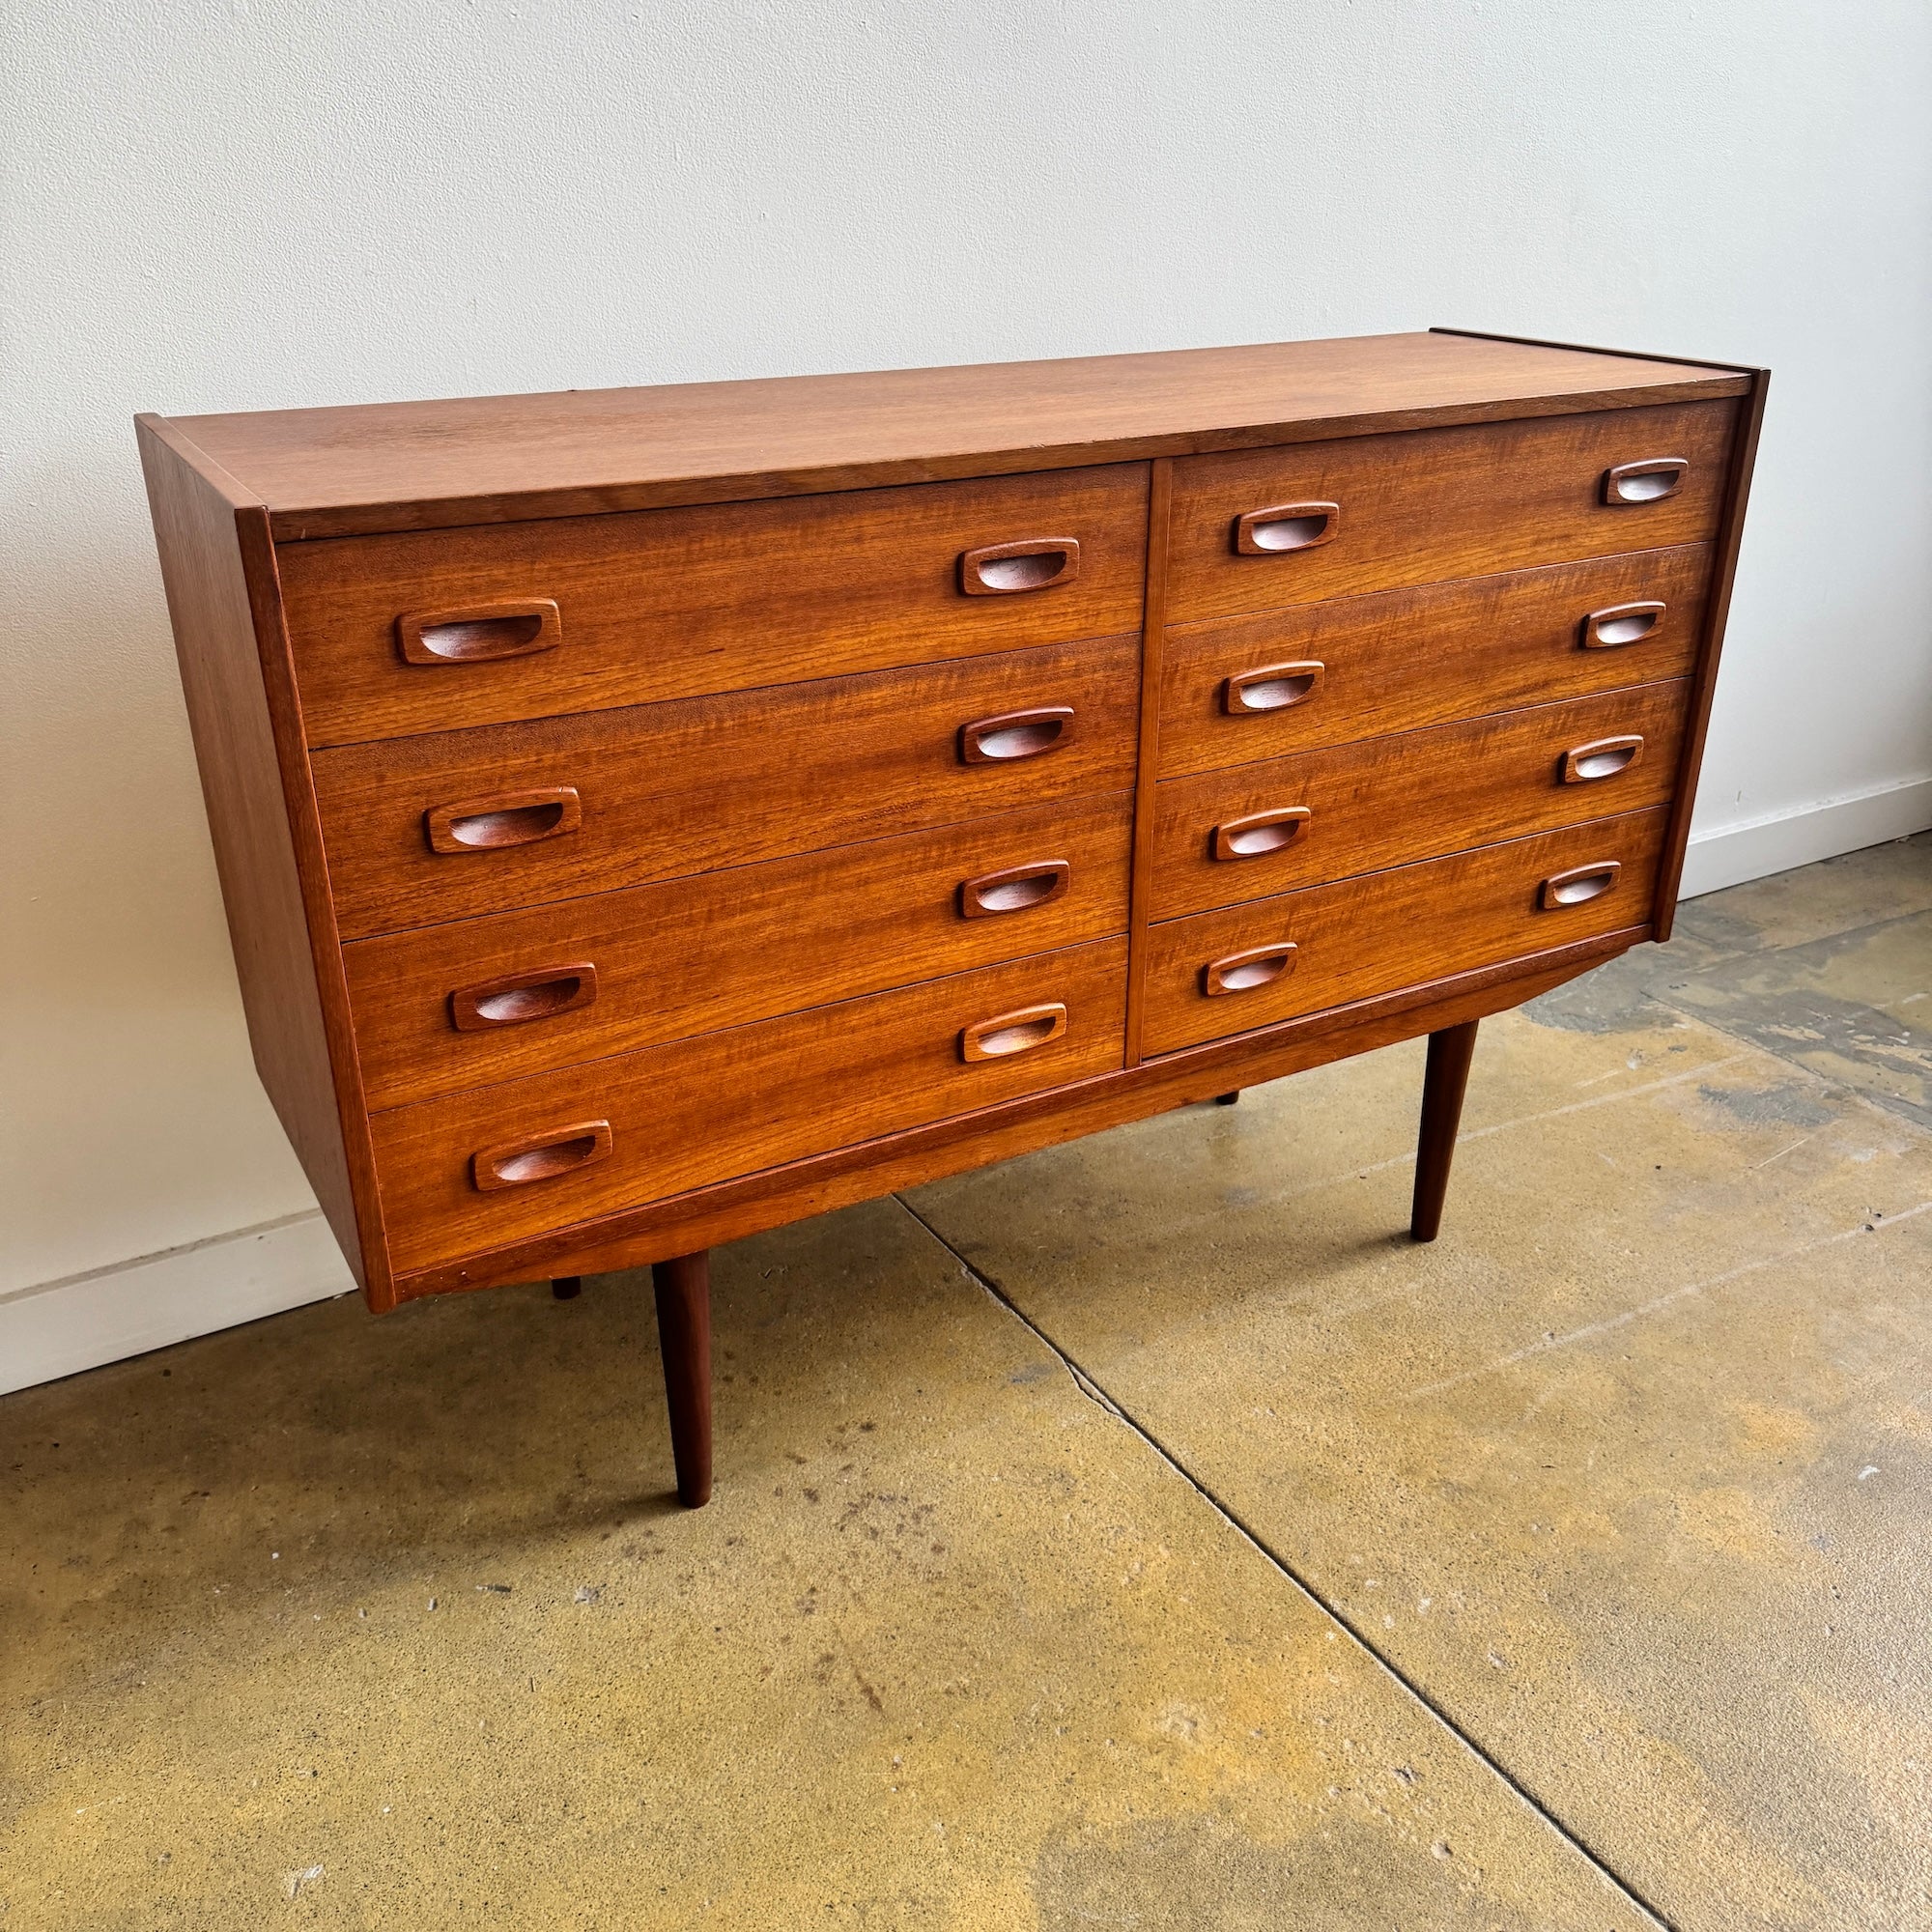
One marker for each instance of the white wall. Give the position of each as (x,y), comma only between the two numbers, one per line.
(246,205)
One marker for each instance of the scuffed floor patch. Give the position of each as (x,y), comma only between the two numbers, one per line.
(1628,1471)
(348,1623)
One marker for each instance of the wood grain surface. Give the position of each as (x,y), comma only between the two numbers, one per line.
(1160,499)
(1744,460)
(486,459)
(1441,504)
(1389,800)
(685,680)
(1400,660)
(704,783)
(218,569)
(724,597)
(697,954)
(754,1096)
(1395,928)
(1444,1082)
(816,1185)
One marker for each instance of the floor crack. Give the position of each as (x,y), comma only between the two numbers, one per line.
(1096,1393)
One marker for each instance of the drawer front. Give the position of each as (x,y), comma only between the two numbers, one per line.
(1390,801)
(1306,951)
(484,1000)
(1237,689)
(667,604)
(617,798)
(646,1125)
(1425,505)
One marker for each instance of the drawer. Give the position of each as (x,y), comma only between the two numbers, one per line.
(1388,801)
(557,807)
(483,1000)
(667,603)
(1423,505)
(1306,951)
(1237,689)
(564,1146)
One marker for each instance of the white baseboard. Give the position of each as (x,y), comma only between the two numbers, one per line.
(1731,854)
(64,1327)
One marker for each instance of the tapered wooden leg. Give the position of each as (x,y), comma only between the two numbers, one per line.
(683,1288)
(1227,1099)
(1442,1089)
(565,1287)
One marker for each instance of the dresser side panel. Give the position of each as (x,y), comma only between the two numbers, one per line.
(1717,613)
(216,593)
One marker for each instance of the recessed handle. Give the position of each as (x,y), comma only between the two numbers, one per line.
(1578,887)
(1017,889)
(1269,688)
(536,995)
(1620,624)
(1017,734)
(563,1150)
(1034,564)
(1604,758)
(1647,482)
(479,633)
(1017,1032)
(1259,833)
(515,819)
(1244,971)
(1286,526)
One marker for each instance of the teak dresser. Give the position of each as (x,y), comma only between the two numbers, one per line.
(649,816)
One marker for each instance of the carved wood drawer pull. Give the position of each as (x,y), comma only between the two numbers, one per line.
(1015,890)
(516,997)
(1646,482)
(1604,758)
(1578,887)
(515,819)
(1260,833)
(479,633)
(1286,526)
(1244,971)
(1621,624)
(1017,734)
(563,1150)
(1269,688)
(1017,1032)
(1037,563)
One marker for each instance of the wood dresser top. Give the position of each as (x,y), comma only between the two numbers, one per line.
(326,473)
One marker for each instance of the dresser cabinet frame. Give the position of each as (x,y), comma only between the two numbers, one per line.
(217,540)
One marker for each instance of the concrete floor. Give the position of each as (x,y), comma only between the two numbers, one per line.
(1576,1566)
